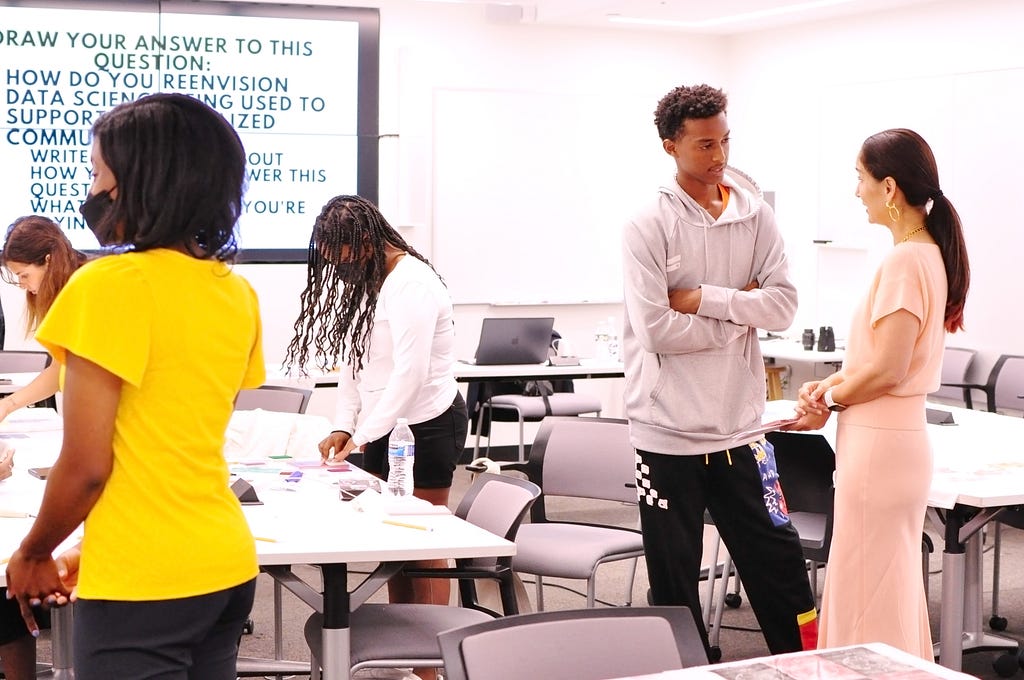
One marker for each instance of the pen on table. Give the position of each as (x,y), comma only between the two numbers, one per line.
(15,515)
(396,523)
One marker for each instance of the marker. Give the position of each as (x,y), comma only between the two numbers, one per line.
(396,523)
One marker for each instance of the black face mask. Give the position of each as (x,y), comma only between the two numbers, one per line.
(94,209)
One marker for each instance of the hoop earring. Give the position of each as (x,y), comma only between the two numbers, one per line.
(894,212)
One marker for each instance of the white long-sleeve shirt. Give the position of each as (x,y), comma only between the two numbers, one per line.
(408,369)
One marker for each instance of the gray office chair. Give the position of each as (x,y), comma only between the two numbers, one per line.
(805,463)
(1004,387)
(585,644)
(583,458)
(956,362)
(532,409)
(274,398)
(27,361)
(405,635)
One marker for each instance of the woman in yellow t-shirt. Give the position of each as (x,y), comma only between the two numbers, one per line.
(156,341)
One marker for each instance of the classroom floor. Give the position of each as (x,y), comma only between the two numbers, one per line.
(740,638)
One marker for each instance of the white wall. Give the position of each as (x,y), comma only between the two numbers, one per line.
(779,82)
(944,68)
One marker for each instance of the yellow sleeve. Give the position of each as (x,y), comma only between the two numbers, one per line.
(256,373)
(103,314)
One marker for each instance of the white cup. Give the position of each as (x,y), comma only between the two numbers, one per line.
(563,348)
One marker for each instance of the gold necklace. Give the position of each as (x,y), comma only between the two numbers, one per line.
(912,232)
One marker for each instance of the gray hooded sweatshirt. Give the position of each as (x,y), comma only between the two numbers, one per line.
(695,382)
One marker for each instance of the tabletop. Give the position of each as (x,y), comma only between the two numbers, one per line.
(464,372)
(302,522)
(858,662)
(786,349)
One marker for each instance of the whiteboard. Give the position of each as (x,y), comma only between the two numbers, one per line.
(531,191)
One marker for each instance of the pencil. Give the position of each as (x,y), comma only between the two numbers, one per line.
(265,539)
(396,523)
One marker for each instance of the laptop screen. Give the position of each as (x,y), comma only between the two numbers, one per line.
(514,341)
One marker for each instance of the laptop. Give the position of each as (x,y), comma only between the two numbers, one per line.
(514,341)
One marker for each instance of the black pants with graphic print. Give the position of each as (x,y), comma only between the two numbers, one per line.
(673,493)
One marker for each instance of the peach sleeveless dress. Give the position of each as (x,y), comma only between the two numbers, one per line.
(874,590)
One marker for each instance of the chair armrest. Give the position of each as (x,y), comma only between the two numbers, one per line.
(513,466)
(455,572)
(988,390)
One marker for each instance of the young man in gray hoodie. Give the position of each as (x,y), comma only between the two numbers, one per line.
(704,268)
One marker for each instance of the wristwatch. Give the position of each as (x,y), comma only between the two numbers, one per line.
(831,403)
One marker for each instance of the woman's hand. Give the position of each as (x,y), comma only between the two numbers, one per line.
(808,421)
(34,581)
(6,460)
(340,443)
(67,570)
(7,406)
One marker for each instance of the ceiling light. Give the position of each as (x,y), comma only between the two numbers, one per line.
(730,19)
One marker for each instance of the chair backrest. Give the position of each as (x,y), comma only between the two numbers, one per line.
(956,362)
(806,464)
(273,398)
(497,503)
(583,644)
(1006,381)
(584,458)
(19,361)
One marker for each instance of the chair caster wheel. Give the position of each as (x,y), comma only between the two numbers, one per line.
(733,600)
(715,654)
(997,622)
(1005,665)
(248,627)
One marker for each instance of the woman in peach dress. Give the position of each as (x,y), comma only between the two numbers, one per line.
(874,591)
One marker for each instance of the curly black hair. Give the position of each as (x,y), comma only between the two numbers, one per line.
(687,101)
(339,303)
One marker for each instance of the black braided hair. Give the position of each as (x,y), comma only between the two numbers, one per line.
(338,304)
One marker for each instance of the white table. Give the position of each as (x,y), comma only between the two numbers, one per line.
(11,382)
(859,661)
(36,436)
(784,349)
(587,369)
(312,526)
(977,473)
(305,523)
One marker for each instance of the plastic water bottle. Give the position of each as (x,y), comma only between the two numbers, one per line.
(401,457)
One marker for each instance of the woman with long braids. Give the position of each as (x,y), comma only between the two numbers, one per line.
(873,587)
(379,309)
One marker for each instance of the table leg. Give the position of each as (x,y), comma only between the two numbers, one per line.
(960,627)
(337,657)
(61,623)
(951,620)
